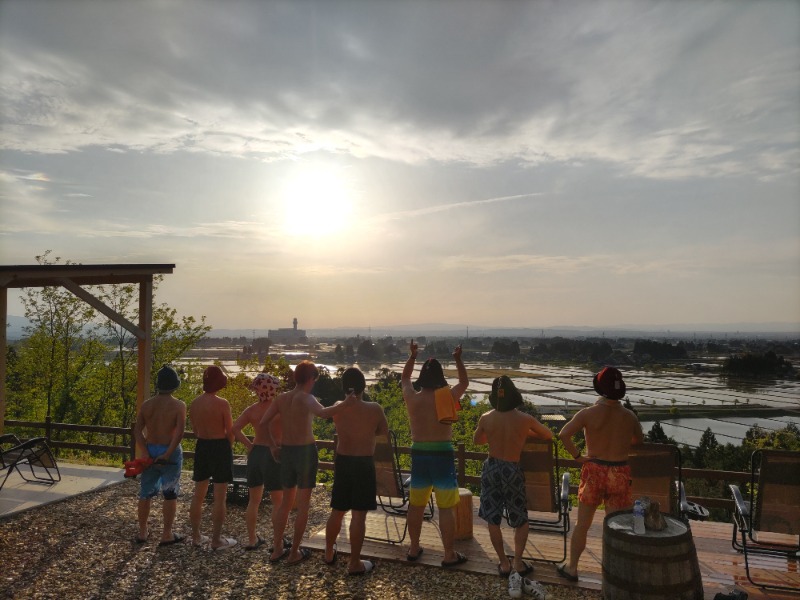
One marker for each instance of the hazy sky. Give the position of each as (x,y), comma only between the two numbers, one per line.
(356,163)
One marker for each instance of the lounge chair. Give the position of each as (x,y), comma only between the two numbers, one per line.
(656,474)
(392,487)
(768,522)
(546,489)
(36,454)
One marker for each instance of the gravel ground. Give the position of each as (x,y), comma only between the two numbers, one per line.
(82,548)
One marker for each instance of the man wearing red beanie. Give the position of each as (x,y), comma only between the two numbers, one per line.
(212,423)
(610,430)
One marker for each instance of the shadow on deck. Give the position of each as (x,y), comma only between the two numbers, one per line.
(721,567)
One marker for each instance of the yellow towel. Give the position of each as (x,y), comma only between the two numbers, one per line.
(446,407)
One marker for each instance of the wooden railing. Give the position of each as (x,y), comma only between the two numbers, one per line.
(126,450)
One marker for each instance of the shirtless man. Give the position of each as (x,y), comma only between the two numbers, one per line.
(262,469)
(298,456)
(432,454)
(213,425)
(610,430)
(506,430)
(163,418)
(354,485)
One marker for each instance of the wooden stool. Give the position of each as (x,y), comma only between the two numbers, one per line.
(463,515)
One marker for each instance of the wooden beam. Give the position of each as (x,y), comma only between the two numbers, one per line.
(98,305)
(145,346)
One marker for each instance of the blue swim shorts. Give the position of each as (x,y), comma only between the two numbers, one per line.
(162,478)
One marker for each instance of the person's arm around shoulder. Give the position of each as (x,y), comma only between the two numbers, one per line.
(479,438)
(463,380)
(538,430)
(575,425)
(324,412)
(408,370)
(239,424)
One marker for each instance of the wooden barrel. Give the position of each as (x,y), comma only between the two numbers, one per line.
(463,515)
(659,565)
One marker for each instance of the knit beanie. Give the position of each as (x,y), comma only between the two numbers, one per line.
(504,395)
(167,380)
(608,383)
(214,379)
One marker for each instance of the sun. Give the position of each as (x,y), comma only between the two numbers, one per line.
(316,202)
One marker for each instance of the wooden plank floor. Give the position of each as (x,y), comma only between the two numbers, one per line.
(721,567)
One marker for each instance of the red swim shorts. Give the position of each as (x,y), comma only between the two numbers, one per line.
(604,483)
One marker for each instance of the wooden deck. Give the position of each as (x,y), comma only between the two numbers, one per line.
(722,568)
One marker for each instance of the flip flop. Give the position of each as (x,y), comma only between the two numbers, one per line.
(138,540)
(305,554)
(259,542)
(286,544)
(228,543)
(527,570)
(284,553)
(176,539)
(335,554)
(204,539)
(503,574)
(460,559)
(414,558)
(368,567)
(568,576)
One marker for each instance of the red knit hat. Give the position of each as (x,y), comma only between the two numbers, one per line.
(608,383)
(214,379)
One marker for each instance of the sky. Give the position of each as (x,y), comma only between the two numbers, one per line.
(377,163)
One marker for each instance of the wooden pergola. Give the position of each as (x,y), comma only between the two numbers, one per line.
(73,278)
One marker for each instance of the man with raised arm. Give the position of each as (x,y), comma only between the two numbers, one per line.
(213,425)
(610,430)
(158,431)
(297,455)
(432,453)
(354,483)
(506,429)
(263,472)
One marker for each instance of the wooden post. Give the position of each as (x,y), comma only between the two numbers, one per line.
(463,515)
(144,345)
(462,466)
(3,347)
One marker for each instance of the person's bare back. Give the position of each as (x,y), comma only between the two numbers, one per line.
(610,429)
(161,416)
(507,432)
(211,417)
(357,427)
(297,416)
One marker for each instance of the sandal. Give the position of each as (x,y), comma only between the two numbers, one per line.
(227,544)
(414,558)
(460,559)
(568,576)
(284,553)
(368,567)
(305,554)
(503,574)
(176,538)
(259,542)
(335,554)
(527,570)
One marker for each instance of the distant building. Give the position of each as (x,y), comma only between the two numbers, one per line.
(288,335)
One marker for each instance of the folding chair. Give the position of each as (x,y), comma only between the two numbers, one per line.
(769,520)
(392,488)
(36,454)
(546,489)
(656,473)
